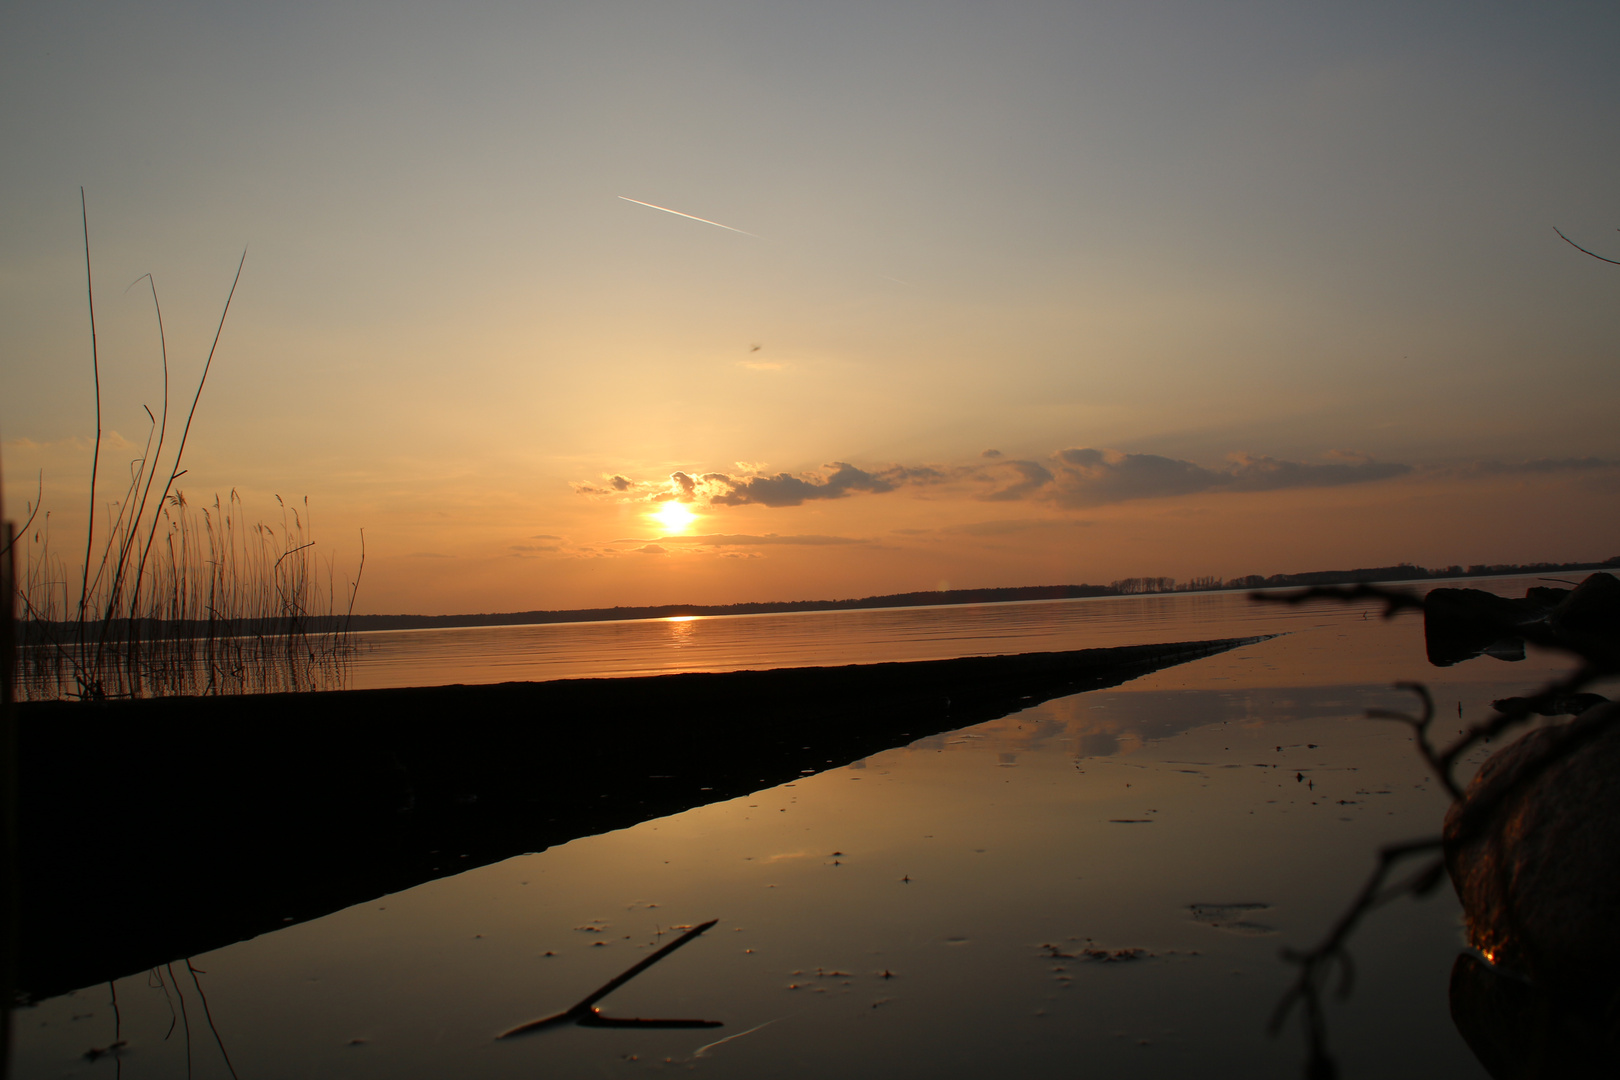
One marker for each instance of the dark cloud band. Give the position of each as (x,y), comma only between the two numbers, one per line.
(1088,477)
(1072,478)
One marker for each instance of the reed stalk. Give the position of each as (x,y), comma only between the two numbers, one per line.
(180,600)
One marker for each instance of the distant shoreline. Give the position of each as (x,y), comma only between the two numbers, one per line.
(34,633)
(947,597)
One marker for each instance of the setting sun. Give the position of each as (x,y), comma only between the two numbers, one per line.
(674,517)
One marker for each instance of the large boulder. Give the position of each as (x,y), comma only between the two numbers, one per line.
(1533,849)
(1590,613)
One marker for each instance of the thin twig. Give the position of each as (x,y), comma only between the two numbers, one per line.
(185,1020)
(33,511)
(95,459)
(1394,600)
(1578,247)
(1316,965)
(209,1014)
(163,428)
(354,590)
(178,472)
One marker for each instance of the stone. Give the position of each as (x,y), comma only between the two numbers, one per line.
(1533,849)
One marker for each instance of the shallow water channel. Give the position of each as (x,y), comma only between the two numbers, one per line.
(1096,886)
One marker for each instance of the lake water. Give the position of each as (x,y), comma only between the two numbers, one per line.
(804,639)
(899,916)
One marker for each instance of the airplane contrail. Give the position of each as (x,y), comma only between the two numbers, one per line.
(694,217)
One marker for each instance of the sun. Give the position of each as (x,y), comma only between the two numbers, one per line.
(675,517)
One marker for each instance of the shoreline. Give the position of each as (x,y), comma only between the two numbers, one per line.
(36,634)
(159,828)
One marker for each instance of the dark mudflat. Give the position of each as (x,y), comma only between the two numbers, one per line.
(159,829)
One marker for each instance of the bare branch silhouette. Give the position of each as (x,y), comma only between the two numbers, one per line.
(1577,247)
(1316,966)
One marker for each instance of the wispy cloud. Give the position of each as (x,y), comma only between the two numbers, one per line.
(1090,477)
(1028,477)
(1534,465)
(784,489)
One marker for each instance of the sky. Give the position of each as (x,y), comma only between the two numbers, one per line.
(968,295)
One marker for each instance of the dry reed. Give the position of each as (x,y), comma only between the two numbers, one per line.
(180,600)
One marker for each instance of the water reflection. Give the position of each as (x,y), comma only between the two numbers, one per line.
(410,785)
(737,642)
(900,916)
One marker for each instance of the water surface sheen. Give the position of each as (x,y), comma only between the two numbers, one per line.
(804,639)
(935,910)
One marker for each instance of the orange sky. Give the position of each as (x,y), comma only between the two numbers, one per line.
(1228,292)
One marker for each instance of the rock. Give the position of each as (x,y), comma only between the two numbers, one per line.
(1533,849)
(1590,611)
(1519,1032)
(1460,624)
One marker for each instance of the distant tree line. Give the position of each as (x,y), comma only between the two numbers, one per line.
(1398,572)
(1120,587)
(1127,586)
(38,632)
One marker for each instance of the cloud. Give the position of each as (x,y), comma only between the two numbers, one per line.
(651,549)
(1260,473)
(614,483)
(752,486)
(682,487)
(1072,478)
(544,536)
(534,547)
(784,489)
(1090,477)
(1029,478)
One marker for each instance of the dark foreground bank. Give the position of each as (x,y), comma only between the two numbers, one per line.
(158,829)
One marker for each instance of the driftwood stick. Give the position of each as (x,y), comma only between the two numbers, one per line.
(584,1013)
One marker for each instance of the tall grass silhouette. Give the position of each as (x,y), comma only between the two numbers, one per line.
(176,599)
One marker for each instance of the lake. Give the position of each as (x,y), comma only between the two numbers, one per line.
(926,911)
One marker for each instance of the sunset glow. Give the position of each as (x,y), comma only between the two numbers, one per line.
(1271,291)
(674,517)
(568,480)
